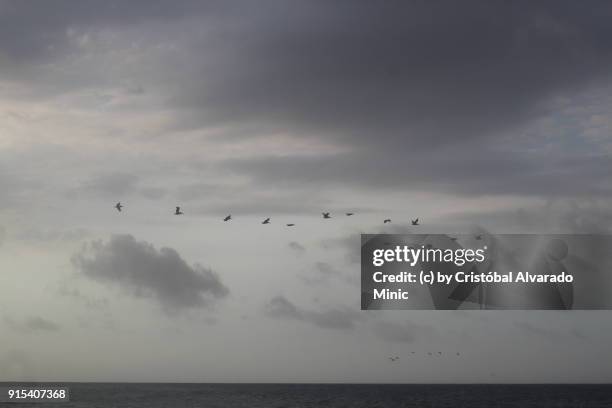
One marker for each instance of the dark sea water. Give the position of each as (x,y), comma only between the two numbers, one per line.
(331,396)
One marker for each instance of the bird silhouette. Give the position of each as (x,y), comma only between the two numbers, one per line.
(178,211)
(326,215)
(453,238)
(349,214)
(394,358)
(229,217)
(290,225)
(266,221)
(478,237)
(415,221)
(118,206)
(387,220)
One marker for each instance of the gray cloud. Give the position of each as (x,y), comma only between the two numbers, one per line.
(145,271)
(296,246)
(32,324)
(338,318)
(410,96)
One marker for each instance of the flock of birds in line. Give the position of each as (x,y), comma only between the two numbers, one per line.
(326,215)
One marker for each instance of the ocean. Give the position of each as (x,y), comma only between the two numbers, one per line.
(95,395)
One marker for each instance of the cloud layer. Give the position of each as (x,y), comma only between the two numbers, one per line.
(145,271)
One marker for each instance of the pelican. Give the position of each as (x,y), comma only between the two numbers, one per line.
(387,220)
(415,221)
(229,217)
(349,214)
(118,206)
(290,225)
(266,221)
(326,215)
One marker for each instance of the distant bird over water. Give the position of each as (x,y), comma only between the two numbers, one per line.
(394,358)
(387,220)
(178,211)
(229,217)
(266,221)
(118,206)
(478,237)
(290,225)
(415,221)
(349,214)
(326,215)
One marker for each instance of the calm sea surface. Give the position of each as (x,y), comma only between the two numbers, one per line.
(331,396)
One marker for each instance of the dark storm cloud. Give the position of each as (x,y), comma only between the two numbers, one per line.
(338,318)
(145,271)
(426,95)
(31,30)
(32,324)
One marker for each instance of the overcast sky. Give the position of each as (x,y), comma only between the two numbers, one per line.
(472,114)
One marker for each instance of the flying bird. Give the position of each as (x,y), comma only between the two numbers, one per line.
(178,211)
(118,206)
(326,215)
(349,214)
(387,220)
(415,221)
(394,358)
(478,237)
(290,225)
(229,217)
(266,221)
